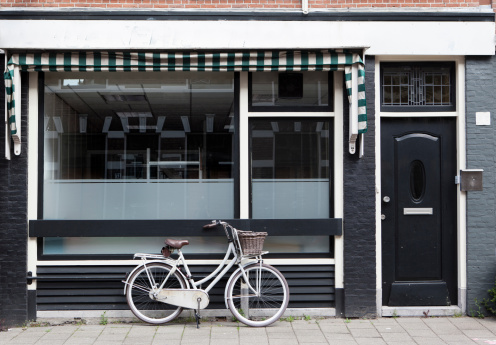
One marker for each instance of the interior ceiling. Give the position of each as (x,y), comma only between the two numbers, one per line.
(171,102)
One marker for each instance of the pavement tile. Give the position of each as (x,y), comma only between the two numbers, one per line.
(372,341)
(299,324)
(451,338)
(250,342)
(466,323)
(389,329)
(428,341)
(281,335)
(166,342)
(479,333)
(354,324)
(311,337)
(396,337)
(332,329)
(343,342)
(339,336)
(365,333)
(79,341)
(421,333)
(282,342)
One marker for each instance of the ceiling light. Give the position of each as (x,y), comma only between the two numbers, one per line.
(186,126)
(160,124)
(124,98)
(210,122)
(58,124)
(126,114)
(125,124)
(106,124)
(275,126)
(142,124)
(83,123)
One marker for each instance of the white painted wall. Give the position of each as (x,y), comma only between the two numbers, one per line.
(382,38)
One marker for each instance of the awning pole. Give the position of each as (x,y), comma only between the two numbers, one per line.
(17,99)
(353,109)
(7,127)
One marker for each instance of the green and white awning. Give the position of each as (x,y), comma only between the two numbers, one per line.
(251,61)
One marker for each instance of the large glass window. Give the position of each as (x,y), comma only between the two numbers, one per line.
(290,168)
(138,145)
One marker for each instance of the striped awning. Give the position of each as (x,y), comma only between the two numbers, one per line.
(251,61)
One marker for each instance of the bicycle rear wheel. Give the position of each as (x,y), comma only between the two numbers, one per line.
(266,305)
(140,299)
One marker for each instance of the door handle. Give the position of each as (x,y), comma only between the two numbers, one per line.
(418,211)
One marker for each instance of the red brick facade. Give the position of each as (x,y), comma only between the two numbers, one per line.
(245,4)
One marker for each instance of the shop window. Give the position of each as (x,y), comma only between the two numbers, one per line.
(290,168)
(418,87)
(290,91)
(138,146)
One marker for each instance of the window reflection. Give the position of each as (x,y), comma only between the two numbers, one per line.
(138,145)
(290,168)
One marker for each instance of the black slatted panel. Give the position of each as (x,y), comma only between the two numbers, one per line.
(101,287)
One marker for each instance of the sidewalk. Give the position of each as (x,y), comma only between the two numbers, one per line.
(404,331)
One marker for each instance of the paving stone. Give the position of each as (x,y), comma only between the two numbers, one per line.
(282,342)
(396,337)
(365,333)
(281,335)
(479,333)
(428,341)
(421,332)
(332,329)
(356,324)
(372,341)
(298,324)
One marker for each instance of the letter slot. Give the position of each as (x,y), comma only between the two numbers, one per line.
(418,211)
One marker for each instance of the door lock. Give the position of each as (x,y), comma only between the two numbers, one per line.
(386,199)
(383,216)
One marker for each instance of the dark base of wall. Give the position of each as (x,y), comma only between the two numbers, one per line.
(31,305)
(339,296)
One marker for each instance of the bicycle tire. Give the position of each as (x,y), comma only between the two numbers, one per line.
(138,293)
(263,310)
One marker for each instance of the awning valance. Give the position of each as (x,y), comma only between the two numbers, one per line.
(252,61)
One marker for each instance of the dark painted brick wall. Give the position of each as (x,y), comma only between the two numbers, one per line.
(359,215)
(481,206)
(13,224)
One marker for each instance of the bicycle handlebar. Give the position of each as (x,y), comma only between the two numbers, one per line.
(215,223)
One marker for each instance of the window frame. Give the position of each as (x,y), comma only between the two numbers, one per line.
(420,108)
(292,109)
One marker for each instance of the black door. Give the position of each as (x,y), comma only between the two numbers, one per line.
(419,212)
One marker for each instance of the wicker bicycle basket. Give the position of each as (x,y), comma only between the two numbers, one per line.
(251,242)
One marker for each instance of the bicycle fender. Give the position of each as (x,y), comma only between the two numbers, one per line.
(164,261)
(231,278)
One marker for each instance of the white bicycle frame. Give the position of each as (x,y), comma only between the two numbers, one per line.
(223,268)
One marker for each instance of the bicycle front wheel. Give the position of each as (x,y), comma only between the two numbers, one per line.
(139,293)
(265,303)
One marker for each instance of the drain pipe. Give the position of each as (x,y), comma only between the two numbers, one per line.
(304,6)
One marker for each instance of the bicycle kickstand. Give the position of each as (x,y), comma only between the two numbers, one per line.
(197,314)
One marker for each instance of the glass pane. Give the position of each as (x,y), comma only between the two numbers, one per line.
(290,89)
(417,180)
(138,145)
(198,245)
(290,168)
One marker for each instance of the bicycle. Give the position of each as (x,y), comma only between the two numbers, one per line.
(160,287)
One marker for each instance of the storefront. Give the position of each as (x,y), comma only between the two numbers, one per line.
(156,129)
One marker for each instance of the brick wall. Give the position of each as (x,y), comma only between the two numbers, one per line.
(359,216)
(481,206)
(13,226)
(243,4)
